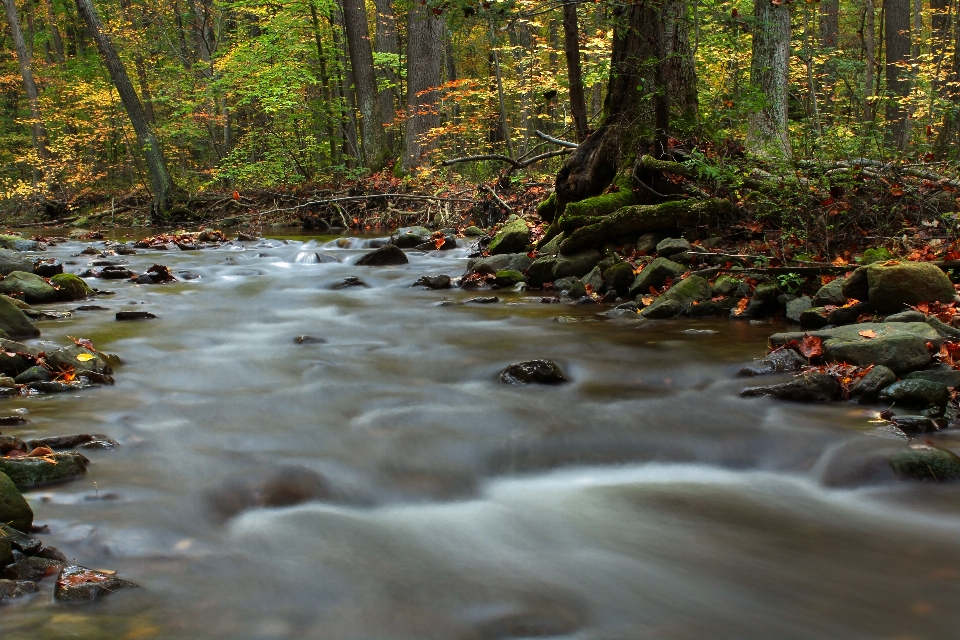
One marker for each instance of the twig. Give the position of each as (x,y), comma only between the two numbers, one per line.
(369,197)
(562,143)
(499,200)
(514,164)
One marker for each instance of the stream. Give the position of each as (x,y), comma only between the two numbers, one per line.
(642,500)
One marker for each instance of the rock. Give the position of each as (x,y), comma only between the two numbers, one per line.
(433,282)
(31,568)
(533,371)
(796,307)
(947,377)
(409,237)
(780,360)
(52,553)
(619,278)
(16,243)
(513,237)
(47,268)
(10,589)
(917,425)
(492,264)
(34,374)
(647,243)
(10,443)
(14,510)
(80,359)
(672,246)
(54,386)
(384,256)
(30,472)
(449,242)
(280,487)
(564,284)
(19,540)
(22,359)
(922,462)
(917,393)
(14,322)
(35,289)
(483,300)
(946,331)
(895,286)
(856,285)
(830,293)
(807,387)
(116,272)
(135,315)
(723,286)
(655,275)
(577,290)
(348,282)
(79,583)
(552,247)
(576,265)
(594,279)
(868,387)
(910,315)
(474,232)
(541,271)
(74,441)
(19,304)
(818,317)
(506,278)
(875,255)
(678,298)
(11,261)
(899,346)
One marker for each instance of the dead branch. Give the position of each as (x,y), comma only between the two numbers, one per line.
(515,165)
(562,143)
(498,199)
(404,196)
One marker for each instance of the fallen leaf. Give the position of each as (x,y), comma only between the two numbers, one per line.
(85,357)
(742,306)
(40,452)
(868,333)
(810,346)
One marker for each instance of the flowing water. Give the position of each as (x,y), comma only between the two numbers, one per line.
(642,500)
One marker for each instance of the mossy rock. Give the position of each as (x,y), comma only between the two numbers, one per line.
(508,278)
(921,462)
(11,261)
(70,287)
(17,243)
(875,255)
(552,246)
(474,232)
(547,210)
(513,237)
(14,322)
(14,510)
(32,472)
(678,298)
(541,271)
(618,278)
(605,203)
(35,289)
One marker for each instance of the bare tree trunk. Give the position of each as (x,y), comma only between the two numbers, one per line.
(897,43)
(571,46)
(829,24)
(870,63)
(59,55)
(767,132)
(387,42)
(38,130)
(348,114)
(160,181)
(681,70)
(424,74)
(327,92)
(365,84)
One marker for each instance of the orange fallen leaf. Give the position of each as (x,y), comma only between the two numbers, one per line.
(810,346)
(868,333)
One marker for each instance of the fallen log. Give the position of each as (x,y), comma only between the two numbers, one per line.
(639,219)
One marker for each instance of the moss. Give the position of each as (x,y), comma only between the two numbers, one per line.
(70,287)
(605,203)
(547,209)
(508,278)
(875,255)
(512,237)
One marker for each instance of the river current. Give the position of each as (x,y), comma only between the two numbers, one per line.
(642,500)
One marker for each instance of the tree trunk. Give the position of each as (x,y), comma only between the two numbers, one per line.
(424,76)
(571,46)
(829,24)
(767,132)
(160,181)
(681,70)
(348,111)
(897,43)
(387,42)
(59,55)
(38,130)
(870,55)
(327,92)
(375,150)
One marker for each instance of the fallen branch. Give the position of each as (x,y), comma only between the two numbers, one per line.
(498,199)
(514,164)
(369,197)
(562,143)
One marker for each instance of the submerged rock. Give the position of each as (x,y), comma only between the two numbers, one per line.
(348,282)
(807,387)
(281,487)
(31,472)
(780,360)
(14,509)
(533,371)
(922,462)
(10,589)
(309,340)
(73,441)
(135,315)
(921,394)
(79,583)
(384,256)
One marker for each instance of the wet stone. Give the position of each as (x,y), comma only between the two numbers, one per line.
(780,360)
(869,386)
(309,340)
(30,472)
(348,282)
(916,425)
(917,393)
(434,282)
(533,371)
(70,442)
(19,540)
(32,568)
(116,273)
(11,443)
(484,300)
(384,256)
(809,387)
(10,589)
(947,377)
(135,315)
(76,583)
(925,463)
(34,374)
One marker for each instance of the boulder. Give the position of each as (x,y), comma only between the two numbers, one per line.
(780,360)
(922,462)
(506,278)
(35,289)
(830,293)
(819,317)
(919,394)
(724,286)
(948,377)
(678,298)
(552,247)
(672,246)
(492,264)
(541,271)
(513,237)
(31,472)
(80,359)
(533,371)
(594,279)
(17,243)
(433,282)
(134,315)
(655,275)
(10,589)
(46,268)
(11,261)
(76,583)
(409,237)
(892,287)
(619,277)
(868,388)
(576,265)
(806,387)
(384,256)
(946,331)
(910,315)
(795,308)
(14,322)
(577,289)
(14,510)
(899,346)
(31,568)
(34,374)
(70,287)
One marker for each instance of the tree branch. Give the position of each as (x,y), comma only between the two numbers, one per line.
(562,143)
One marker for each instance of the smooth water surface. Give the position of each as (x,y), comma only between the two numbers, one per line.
(643,500)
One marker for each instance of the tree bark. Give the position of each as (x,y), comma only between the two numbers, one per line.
(160,181)
(897,43)
(37,128)
(571,47)
(767,132)
(424,76)
(387,42)
(870,55)
(681,70)
(365,84)
(829,24)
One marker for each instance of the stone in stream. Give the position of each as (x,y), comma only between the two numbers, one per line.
(19,540)
(48,268)
(795,308)
(349,282)
(10,589)
(507,278)
(32,568)
(134,315)
(533,371)
(75,440)
(513,237)
(14,509)
(899,346)
(78,358)
(309,340)
(34,374)
(921,394)
(618,278)
(869,386)
(11,261)
(577,290)
(891,288)
(449,242)
(678,298)
(576,265)
(35,289)
(17,243)
(29,472)
(806,387)
(11,443)
(780,360)
(540,271)
(594,279)
(922,462)
(830,294)
(483,300)
(491,264)
(116,273)
(918,425)
(384,256)
(409,237)
(655,275)
(282,487)
(434,282)
(947,376)
(76,583)
(14,322)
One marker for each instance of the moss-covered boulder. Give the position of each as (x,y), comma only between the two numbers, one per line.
(875,255)
(513,237)
(655,275)
(14,322)
(576,265)
(70,287)
(410,237)
(541,271)
(11,261)
(619,277)
(892,287)
(19,304)
(922,462)
(508,278)
(32,472)
(552,246)
(17,243)
(917,393)
(35,289)
(14,510)
(830,293)
(547,210)
(678,298)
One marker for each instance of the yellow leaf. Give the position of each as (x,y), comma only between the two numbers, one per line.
(84,357)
